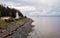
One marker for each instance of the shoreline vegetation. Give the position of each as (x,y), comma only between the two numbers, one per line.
(8,27)
(9,12)
(5,22)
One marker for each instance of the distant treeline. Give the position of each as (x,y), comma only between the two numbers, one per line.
(6,11)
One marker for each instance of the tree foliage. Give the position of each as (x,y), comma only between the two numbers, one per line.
(6,11)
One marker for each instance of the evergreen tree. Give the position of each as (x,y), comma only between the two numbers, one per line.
(9,12)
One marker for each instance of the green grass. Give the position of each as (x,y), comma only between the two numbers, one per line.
(3,23)
(6,22)
(21,19)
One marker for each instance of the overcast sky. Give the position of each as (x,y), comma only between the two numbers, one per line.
(34,7)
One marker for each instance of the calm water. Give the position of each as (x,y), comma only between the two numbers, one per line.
(46,27)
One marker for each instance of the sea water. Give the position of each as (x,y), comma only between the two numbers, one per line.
(45,27)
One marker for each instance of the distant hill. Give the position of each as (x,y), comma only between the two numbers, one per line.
(6,11)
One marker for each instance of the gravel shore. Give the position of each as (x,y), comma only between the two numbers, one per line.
(22,32)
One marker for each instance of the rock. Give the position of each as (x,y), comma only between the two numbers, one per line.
(11,27)
(18,29)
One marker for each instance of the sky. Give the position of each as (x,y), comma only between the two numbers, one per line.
(35,7)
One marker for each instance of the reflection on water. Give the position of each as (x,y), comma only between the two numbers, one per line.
(46,27)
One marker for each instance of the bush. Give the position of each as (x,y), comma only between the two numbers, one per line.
(10,20)
(25,17)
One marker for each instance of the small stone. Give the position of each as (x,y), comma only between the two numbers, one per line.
(4,30)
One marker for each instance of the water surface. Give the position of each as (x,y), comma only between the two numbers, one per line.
(46,27)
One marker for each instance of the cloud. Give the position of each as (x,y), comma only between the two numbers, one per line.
(24,8)
(35,7)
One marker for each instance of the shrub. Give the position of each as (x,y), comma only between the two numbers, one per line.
(25,17)
(10,20)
